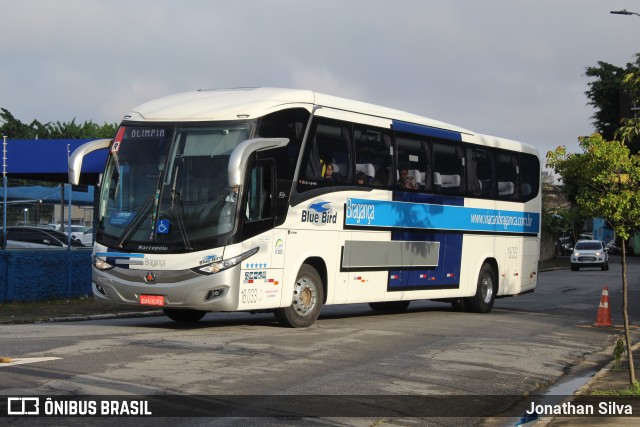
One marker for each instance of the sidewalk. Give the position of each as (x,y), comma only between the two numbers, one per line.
(610,378)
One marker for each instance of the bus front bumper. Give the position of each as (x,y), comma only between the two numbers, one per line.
(168,289)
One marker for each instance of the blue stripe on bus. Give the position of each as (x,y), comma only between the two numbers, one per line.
(434,216)
(425,130)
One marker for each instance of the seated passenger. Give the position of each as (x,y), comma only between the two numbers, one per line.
(407,181)
(328,173)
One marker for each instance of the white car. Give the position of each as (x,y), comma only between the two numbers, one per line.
(590,253)
(85,236)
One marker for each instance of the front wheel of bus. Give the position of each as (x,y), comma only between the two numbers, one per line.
(184,316)
(482,301)
(307,300)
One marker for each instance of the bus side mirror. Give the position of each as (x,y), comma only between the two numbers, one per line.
(75,160)
(240,155)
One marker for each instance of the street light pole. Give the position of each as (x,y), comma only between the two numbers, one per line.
(624,12)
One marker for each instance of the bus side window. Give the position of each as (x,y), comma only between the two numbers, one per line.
(373,156)
(448,165)
(327,157)
(413,162)
(529,176)
(508,176)
(260,193)
(289,123)
(480,175)
(257,213)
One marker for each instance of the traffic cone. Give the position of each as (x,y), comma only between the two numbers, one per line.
(604,314)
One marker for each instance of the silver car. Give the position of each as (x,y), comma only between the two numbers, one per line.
(590,253)
(20,237)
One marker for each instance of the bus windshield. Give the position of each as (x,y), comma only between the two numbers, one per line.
(168,186)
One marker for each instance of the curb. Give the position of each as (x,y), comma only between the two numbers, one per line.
(132,314)
(603,372)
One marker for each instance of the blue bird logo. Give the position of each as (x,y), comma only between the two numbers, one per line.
(319,206)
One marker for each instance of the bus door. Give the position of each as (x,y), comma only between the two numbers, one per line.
(261,274)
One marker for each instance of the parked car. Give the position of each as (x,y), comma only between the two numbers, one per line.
(74,228)
(564,245)
(36,238)
(590,253)
(615,248)
(85,237)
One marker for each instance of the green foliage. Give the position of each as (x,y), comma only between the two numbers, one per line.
(606,178)
(632,390)
(15,129)
(629,130)
(612,93)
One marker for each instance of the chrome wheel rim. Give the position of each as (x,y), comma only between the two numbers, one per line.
(487,288)
(304,297)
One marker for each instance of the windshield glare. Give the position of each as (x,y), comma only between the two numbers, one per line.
(169,186)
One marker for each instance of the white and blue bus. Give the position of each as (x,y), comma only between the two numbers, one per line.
(287,200)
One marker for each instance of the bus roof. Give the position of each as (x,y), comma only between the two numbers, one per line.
(243,103)
(232,104)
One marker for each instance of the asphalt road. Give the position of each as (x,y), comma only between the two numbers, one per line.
(524,346)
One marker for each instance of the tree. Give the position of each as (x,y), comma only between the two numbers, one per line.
(629,131)
(15,129)
(612,96)
(608,178)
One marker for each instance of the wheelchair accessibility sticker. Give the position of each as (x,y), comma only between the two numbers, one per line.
(162,227)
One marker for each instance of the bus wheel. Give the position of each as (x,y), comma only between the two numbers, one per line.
(459,304)
(390,306)
(184,316)
(307,300)
(482,301)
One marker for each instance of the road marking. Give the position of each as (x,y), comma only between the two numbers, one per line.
(25,360)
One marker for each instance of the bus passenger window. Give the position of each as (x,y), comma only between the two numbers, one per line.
(529,176)
(327,156)
(413,163)
(448,167)
(373,156)
(507,175)
(480,172)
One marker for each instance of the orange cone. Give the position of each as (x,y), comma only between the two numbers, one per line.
(604,314)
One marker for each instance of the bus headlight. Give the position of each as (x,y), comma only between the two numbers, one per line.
(101,265)
(225,264)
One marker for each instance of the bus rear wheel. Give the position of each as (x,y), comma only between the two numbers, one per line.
(482,301)
(308,297)
(184,315)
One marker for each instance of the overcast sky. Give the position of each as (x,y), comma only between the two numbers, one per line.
(511,68)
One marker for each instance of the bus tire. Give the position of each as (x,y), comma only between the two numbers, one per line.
(459,304)
(184,315)
(308,296)
(390,306)
(482,301)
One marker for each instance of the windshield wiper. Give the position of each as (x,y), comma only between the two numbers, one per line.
(140,215)
(177,211)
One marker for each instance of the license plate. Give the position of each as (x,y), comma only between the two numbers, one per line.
(156,300)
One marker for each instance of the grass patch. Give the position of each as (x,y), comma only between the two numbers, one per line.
(633,390)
